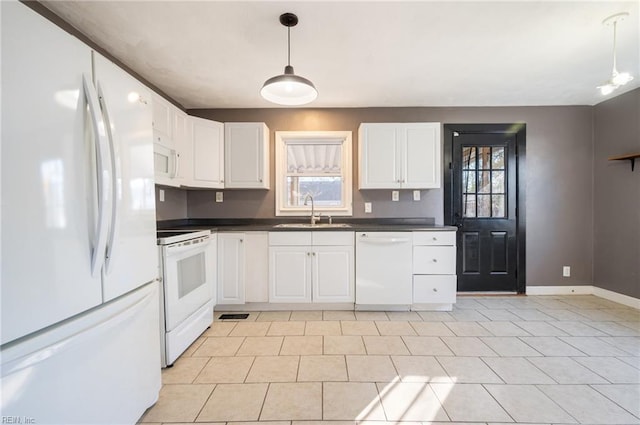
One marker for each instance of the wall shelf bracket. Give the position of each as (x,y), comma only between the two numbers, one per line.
(631,157)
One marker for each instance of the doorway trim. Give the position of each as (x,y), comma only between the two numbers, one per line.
(518,129)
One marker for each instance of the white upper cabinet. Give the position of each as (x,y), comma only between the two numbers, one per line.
(399,155)
(246,155)
(206,154)
(182,143)
(163,117)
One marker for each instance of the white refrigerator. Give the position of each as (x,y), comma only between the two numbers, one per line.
(79,269)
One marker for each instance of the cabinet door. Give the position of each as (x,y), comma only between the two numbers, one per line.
(246,155)
(182,142)
(163,113)
(379,156)
(421,156)
(208,153)
(231,268)
(290,274)
(256,247)
(333,274)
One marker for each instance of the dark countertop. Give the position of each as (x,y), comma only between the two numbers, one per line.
(270,225)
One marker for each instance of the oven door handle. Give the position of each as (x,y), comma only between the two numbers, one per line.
(179,248)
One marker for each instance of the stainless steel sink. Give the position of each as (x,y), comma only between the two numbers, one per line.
(313,226)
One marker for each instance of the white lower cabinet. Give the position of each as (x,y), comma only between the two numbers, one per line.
(256,271)
(434,270)
(311,267)
(290,274)
(333,274)
(242,267)
(231,268)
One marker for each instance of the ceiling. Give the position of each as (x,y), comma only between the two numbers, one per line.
(214,54)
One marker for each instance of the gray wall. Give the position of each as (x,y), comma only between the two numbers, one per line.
(174,205)
(617,195)
(559,203)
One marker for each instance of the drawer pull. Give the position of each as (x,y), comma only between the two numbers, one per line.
(435,239)
(435,260)
(435,289)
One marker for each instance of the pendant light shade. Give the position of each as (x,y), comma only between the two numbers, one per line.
(617,78)
(289,89)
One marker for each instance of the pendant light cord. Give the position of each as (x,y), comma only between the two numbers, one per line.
(289,46)
(615,71)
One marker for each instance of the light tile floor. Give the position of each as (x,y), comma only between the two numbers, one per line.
(492,360)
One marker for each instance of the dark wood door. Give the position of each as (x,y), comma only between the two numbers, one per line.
(483,201)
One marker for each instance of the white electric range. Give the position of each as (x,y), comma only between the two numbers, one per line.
(187,271)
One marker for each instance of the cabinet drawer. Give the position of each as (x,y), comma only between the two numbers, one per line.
(434,238)
(333,238)
(289,238)
(434,289)
(434,260)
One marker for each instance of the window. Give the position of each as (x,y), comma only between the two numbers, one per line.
(316,163)
(483,184)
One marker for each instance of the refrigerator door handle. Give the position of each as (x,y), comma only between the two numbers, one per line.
(103,175)
(116,177)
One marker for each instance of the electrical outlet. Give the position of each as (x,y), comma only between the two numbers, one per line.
(219,197)
(161,195)
(367,207)
(566,271)
(416,195)
(395,195)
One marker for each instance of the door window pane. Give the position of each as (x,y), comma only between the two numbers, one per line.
(484,157)
(469,205)
(497,181)
(484,206)
(469,181)
(497,206)
(469,158)
(497,158)
(484,182)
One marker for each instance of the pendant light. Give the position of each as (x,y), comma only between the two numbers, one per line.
(617,78)
(289,89)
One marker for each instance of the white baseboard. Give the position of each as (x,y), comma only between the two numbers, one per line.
(616,297)
(560,290)
(585,290)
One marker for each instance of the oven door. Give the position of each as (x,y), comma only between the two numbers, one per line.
(188,280)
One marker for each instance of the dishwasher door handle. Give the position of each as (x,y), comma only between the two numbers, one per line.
(382,241)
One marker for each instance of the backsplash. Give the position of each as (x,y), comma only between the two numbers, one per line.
(261,204)
(174,205)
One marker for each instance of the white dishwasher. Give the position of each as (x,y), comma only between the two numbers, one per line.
(384,270)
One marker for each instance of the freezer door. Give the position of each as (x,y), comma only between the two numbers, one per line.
(131,247)
(103,367)
(48,177)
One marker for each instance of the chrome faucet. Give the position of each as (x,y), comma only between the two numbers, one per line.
(313,214)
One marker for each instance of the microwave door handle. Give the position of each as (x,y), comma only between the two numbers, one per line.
(103,175)
(176,163)
(116,177)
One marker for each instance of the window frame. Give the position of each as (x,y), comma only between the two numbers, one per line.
(282,138)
